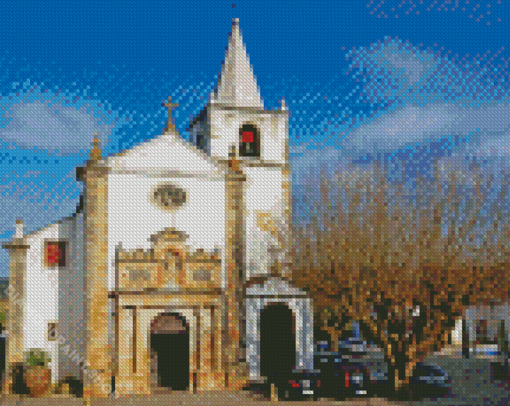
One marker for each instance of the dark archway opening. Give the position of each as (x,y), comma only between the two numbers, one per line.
(277,340)
(170,348)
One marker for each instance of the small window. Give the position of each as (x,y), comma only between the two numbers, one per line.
(249,141)
(55,253)
(52,331)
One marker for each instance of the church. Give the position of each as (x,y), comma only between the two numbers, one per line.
(175,270)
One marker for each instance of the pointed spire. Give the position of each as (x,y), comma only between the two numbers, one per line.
(237,85)
(95,154)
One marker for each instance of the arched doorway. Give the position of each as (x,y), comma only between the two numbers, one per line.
(277,340)
(169,346)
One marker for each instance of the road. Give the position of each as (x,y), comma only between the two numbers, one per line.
(471,384)
(185,399)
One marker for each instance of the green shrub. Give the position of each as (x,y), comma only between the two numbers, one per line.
(37,358)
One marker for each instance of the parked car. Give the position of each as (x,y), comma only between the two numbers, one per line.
(299,384)
(302,384)
(322,346)
(427,381)
(353,347)
(340,377)
(500,371)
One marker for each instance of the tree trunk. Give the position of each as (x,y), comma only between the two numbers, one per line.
(503,338)
(402,370)
(465,339)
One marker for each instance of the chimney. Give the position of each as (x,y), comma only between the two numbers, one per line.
(19,229)
(283,105)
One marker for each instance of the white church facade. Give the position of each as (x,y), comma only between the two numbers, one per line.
(176,259)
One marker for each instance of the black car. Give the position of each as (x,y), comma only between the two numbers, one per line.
(340,377)
(353,347)
(427,381)
(302,384)
(295,385)
(500,371)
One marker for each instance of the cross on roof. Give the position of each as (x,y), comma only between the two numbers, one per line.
(170,106)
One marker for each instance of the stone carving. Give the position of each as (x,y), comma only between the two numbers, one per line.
(169,196)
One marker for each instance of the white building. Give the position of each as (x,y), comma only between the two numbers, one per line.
(171,237)
(483,324)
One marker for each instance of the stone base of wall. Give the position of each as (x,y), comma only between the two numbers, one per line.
(210,381)
(7,386)
(123,386)
(199,382)
(239,377)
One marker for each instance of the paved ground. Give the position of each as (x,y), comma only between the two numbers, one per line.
(471,382)
(185,399)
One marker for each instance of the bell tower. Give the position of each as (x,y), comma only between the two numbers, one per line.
(235,116)
(235,122)
(235,113)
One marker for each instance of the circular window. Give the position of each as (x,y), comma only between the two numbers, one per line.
(169,196)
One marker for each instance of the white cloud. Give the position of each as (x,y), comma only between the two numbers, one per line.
(398,72)
(415,67)
(52,126)
(490,126)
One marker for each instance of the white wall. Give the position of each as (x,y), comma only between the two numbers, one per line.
(500,312)
(225,125)
(263,193)
(42,295)
(133,218)
(71,324)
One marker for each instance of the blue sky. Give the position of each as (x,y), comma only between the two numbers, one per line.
(405,79)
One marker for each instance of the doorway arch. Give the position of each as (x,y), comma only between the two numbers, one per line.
(277,339)
(170,353)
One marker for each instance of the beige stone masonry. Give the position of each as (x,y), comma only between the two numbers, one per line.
(234,265)
(169,261)
(98,352)
(15,307)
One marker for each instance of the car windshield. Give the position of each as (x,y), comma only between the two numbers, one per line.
(427,371)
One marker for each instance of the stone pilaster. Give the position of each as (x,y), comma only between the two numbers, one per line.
(206,378)
(98,353)
(235,266)
(218,350)
(124,385)
(286,266)
(16,306)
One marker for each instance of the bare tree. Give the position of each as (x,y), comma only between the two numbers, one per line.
(405,263)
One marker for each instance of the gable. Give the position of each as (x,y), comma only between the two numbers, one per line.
(167,152)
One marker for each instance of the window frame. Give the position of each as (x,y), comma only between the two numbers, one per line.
(52,325)
(63,245)
(256,137)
